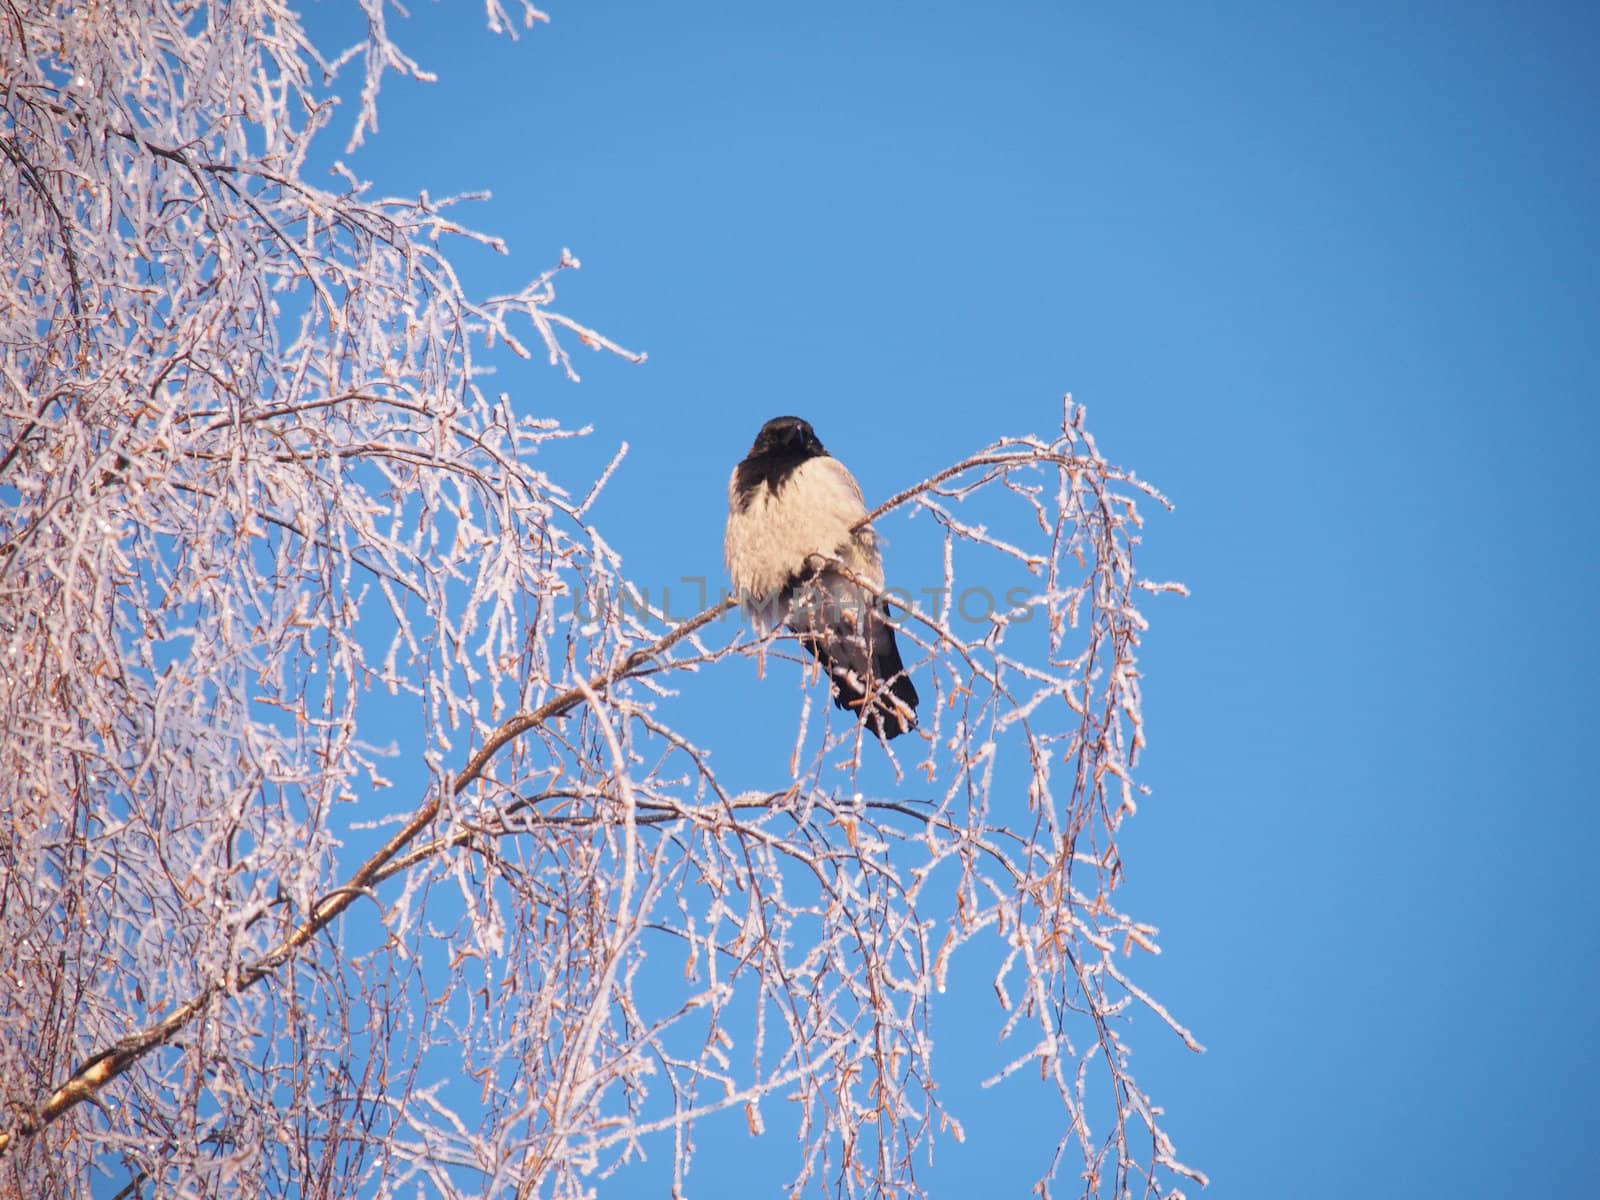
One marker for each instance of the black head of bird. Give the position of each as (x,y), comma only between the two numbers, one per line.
(781,446)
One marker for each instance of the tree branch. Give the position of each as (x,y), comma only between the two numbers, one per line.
(101,1068)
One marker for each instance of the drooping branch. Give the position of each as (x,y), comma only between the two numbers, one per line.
(101,1068)
(263,455)
(402,853)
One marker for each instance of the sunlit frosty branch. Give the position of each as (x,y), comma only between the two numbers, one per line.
(267,547)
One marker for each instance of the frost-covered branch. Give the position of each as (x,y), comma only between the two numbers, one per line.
(103,1067)
(266,540)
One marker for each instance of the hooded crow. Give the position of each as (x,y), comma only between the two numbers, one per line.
(791,511)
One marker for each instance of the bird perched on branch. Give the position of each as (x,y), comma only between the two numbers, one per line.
(792,546)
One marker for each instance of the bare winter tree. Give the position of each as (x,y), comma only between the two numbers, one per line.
(259,514)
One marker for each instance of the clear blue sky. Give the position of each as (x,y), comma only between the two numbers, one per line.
(1327,274)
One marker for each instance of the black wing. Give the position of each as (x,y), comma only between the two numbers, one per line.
(853,640)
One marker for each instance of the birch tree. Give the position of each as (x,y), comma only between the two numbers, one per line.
(261,509)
